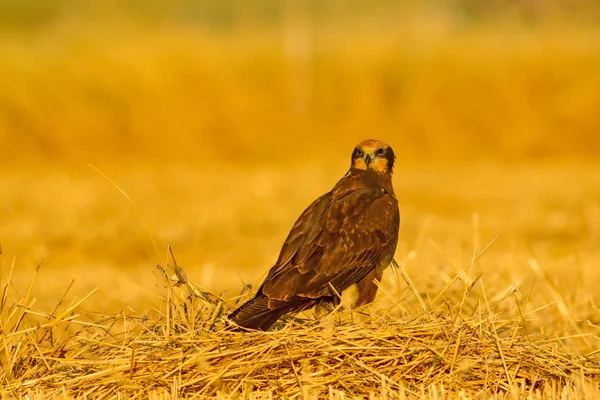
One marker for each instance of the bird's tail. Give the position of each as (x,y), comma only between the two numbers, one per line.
(261,313)
(256,314)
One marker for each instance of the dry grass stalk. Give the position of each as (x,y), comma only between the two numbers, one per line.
(185,350)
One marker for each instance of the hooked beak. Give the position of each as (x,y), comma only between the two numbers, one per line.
(368,159)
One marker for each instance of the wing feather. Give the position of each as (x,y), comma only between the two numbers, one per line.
(337,241)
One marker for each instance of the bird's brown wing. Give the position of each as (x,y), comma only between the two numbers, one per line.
(336,241)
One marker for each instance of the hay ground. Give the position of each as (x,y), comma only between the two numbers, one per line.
(187,351)
(468,314)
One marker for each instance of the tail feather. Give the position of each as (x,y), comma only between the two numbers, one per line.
(256,314)
(261,313)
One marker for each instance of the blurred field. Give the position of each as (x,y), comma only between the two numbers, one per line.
(222,122)
(98,82)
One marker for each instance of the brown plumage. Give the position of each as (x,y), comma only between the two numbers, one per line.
(347,236)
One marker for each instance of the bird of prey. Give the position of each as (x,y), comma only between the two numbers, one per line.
(346,237)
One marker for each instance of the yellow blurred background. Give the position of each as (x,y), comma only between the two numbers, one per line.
(222,120)
(105,81)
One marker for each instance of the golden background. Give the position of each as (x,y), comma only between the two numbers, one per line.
(222,121)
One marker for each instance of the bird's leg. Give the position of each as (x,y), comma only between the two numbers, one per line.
(327,304)
(336,297)
(366,288)
(335,300)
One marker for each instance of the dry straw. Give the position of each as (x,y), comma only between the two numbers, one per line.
(185,350)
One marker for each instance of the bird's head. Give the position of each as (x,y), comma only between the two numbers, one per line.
(373,154)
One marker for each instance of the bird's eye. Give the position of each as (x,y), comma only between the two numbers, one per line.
(359,153)
(379,152)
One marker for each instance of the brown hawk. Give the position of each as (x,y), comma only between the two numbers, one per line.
(347,236)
